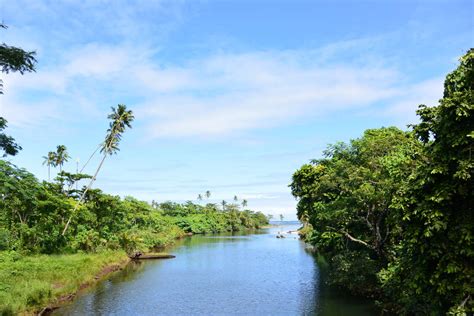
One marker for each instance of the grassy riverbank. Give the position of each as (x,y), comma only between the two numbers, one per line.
(29,283)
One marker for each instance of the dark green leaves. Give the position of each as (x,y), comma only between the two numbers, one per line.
(394,211)
(7,143)
(14,59)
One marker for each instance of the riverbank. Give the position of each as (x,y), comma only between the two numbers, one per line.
(29,283)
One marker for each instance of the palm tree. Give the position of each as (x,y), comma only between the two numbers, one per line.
(224,203)
(199,197)
(235,198)
(62,156)
(244,203)
(208,194)
(50,160)
(121,118)
(281,217)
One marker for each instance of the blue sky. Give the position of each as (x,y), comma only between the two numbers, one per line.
(229,96)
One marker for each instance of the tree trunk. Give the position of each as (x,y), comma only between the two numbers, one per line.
(88,160)
(84,194)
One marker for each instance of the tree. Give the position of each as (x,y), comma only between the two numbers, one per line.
(62,156)
(199,197)
(208,194)
(392,211)
(50,160)
(224,203)
(281,217)
(12,59)
(244,203)
(7,143)
(347,197)
(434,272)
(120,119)
(235,198)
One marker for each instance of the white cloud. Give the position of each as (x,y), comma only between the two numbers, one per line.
(225,94)
(427,92)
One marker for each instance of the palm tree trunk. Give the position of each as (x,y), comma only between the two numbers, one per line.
(83,167)
(49,173)
(88,160)
(84,194)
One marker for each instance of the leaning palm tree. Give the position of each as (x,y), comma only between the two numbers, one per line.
(244,203)
(120,119)
(62,156)
(50,160)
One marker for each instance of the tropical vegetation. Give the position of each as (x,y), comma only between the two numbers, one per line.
(55,236)
(392,211)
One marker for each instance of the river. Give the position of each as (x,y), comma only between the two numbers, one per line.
(226,274)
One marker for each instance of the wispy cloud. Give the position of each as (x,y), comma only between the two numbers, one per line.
(230,93)
(218,95)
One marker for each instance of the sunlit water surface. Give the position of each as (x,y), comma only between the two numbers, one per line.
(240,274)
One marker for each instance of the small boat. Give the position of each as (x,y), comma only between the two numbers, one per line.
(140,256)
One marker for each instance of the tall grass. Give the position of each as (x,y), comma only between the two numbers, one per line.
(28,283)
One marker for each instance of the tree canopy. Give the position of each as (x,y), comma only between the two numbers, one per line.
(13,59)
(392,211)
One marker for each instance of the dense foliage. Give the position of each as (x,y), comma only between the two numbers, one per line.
(12,59)
(392,211)
(33,214)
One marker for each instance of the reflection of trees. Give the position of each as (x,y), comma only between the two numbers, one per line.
(130,272)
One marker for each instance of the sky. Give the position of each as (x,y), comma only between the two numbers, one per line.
(228,96)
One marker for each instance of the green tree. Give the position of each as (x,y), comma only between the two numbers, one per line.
(50,160)
(199,197)
(347,198)
(434,270)
(62,156)
(208,194)
(12,59)
(223,203)
(244,203)
(120,119)
(7,143)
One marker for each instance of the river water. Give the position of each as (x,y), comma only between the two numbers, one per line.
(227,274)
